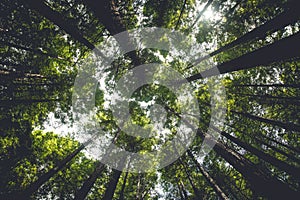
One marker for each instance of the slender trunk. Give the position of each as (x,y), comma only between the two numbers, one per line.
(266,96)
(59,20)
(258,180)
(25,101)
(138,187)
(285,18)
(46,177)
(111,187)
(287,126)
(229,186)
(88,184)
(274,148)
(271,100)
(123,187)
(265,185)
(113,23)
(181,13)
(180,192)
(19,67)
(297,150)
(268,85)
(275,52)
(262,155)
(289,156)
(195,189)
(208,178)
(163,7)
(289,16)
(183,189)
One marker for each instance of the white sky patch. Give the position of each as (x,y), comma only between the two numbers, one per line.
(211,15)
(55,125)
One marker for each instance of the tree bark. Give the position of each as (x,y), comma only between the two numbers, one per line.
(195,189)
(111,187)
(88,184)
(275,52)
(181,13)
(46,177)
(208,178)
(289,16)
(268,85)
(265,185)
(287,126)
(262,155)
(123,187)
(59,20)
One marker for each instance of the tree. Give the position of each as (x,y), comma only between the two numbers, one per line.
(253,45)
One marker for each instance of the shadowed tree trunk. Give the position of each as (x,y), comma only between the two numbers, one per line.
(195,189)
(111,187)
(208,178)
(275,52)
(32,188)
(59,20)
(88,184)
(259,181)
(287,17)
(123,187)
(262,155)
(36,51)
(287,126)
(268,85)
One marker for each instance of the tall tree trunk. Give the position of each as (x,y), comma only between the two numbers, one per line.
(268,85)
(265,185)
(138,187)
(163,6)
(88,184)
(25,101)
(289,16)
(274,148)
(123,187)
(287,126)
(297,150)
(183,189)
(285,18)
(111,187)
(180,192)
(113,23)
(181,13)
(266,96)
(262,155)
(32,188)
(208,178)
(195,189)
(275,52)
(259,181)
(59,20)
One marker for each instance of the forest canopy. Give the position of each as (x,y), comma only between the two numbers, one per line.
(242,99)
